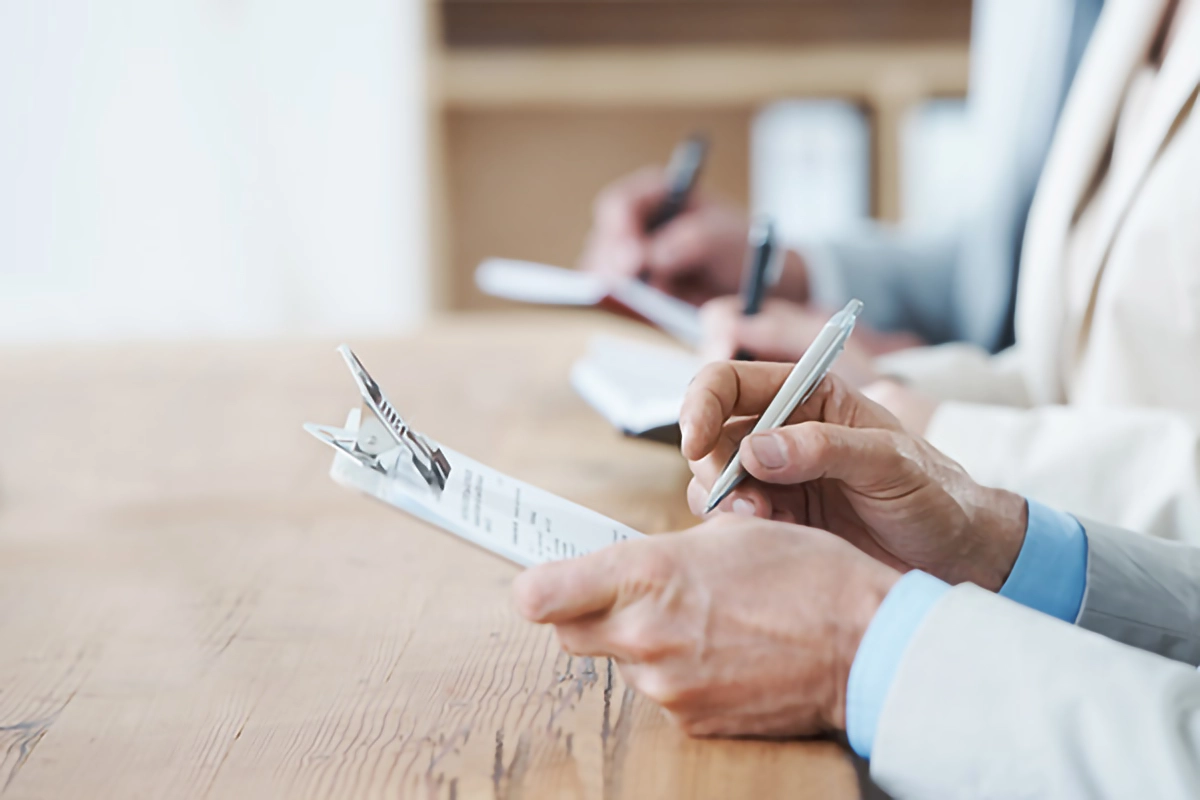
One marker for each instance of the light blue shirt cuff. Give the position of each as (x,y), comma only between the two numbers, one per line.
(879,653)
(1050,574)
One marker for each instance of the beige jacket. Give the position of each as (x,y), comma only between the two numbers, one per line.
(993,700)
(1096,408)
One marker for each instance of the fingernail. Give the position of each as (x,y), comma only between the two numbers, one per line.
(768,449)
(685,434)
(743,508)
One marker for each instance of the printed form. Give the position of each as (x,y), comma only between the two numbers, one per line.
(508,517)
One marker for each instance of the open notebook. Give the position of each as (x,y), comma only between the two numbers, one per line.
(637,387)
(529,282)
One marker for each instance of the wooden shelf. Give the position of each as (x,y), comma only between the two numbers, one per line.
(528,135)
(696,76)
(625,22)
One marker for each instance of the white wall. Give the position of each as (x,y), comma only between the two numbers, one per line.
(211,167)
(810,167)
(937,153)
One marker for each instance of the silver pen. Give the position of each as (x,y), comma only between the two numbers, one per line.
(801,382)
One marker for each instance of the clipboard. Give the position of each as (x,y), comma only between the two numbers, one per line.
(380,455)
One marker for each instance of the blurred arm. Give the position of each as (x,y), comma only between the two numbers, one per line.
(961,372)
(905,282)
(1138,468)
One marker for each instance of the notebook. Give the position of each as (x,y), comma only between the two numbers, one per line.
(638,387)
(530,282)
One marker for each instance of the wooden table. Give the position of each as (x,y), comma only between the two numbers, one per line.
(189,607)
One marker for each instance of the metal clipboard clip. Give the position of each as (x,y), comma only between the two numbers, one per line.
(383,439)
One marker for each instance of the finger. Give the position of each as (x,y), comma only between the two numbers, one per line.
(720,391)
(739,388)
(617,243)
(865,459)
(614,254)
(587,636)
(782,331)
(707,469)
(562,591)
(686,242)
(718,322)
(746,500)
(624,206)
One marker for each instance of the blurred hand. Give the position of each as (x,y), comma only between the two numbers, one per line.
(781,331)
(845,465)
(736,627)
(696,256)
(912,408)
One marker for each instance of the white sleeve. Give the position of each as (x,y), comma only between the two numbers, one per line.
(993,700)
(1135,468)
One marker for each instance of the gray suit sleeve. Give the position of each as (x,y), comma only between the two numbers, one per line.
(1143,591)
(906,282)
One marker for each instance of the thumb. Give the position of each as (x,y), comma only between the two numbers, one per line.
(868,460)
(560,591)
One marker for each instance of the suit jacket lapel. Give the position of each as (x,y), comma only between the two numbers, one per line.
(1174,86)
(1120,42)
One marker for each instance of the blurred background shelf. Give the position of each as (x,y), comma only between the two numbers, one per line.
(542,102)
(655,22)
(682,76)
(206,169)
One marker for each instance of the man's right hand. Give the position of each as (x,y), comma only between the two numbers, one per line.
(696,256)
(845,465)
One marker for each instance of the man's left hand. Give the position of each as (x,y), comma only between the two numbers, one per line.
(737,627)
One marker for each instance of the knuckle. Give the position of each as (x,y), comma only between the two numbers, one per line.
(688,239)
(709,376)
(811,441)
(639,640)
(896,444)
(529,596)
(719,309)
(656,566)
(658,686)
(570,639)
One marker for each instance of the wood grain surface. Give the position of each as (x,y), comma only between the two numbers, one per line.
(189,607)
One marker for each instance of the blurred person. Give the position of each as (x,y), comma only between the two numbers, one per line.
(957,285)
(969,642)
(1102,387)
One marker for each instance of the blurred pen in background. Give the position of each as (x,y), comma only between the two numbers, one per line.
(758,273)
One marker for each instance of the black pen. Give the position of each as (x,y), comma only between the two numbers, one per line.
(683,172)
(756,274)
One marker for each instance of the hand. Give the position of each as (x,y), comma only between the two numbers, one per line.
(913,409)
(781,331)
(844,464)
(737,627)
(696,256)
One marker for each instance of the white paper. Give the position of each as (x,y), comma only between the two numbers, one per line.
(635,386)
(529,282)
(508,517)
